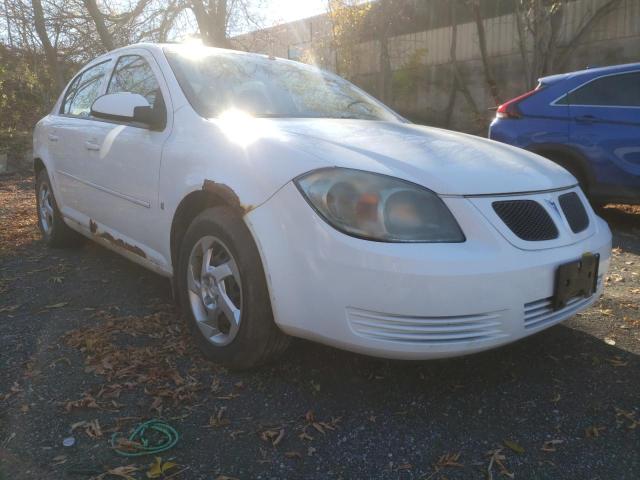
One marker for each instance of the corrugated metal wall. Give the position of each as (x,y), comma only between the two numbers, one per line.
(501,32)
(613,39)
(501,35)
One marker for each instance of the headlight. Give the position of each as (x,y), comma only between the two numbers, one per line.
(378,207)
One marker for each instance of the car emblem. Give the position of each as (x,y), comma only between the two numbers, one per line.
(553,205)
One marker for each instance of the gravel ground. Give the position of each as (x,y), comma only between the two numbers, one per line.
(91,345)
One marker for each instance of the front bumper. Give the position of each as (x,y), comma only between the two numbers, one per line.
(410,301)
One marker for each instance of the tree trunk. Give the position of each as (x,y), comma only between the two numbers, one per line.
(454,67)
(482,40)
(212,22)
(98,19)
(6,14)
(384,85)
(522,43)
(50,52)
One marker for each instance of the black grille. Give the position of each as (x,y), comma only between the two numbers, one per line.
(574,211)
(527,219)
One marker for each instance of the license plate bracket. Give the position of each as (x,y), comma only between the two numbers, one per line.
(577,278)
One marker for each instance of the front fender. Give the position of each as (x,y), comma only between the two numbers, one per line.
(245,168)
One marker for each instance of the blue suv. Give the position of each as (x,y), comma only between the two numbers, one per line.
(587,122)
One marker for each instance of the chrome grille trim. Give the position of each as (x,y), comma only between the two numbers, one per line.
(540,312)
(426,330)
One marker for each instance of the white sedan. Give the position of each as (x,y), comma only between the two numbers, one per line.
(284,201)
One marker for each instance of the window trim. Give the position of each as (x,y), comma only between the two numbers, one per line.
(78,75)
(569,104)
(106,90)
(115,66)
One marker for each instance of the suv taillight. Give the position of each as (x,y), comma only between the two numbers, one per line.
(510,108)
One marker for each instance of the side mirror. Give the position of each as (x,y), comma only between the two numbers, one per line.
(126,107)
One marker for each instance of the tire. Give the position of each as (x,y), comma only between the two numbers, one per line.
(55,232)
(208,299)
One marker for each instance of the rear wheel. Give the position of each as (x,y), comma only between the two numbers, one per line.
(55,232)
(224,293)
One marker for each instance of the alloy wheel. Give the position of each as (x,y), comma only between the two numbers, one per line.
(215,296)
(45,203)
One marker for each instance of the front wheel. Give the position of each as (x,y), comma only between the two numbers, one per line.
(224,293)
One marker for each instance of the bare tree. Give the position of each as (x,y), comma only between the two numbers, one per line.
(49,50)
(484,54)
(458,83)
(538,25)
(98,19)
(346,20)
(587,25)
(384,18)
(212,18)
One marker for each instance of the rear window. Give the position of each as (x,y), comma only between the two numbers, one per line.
(613,90)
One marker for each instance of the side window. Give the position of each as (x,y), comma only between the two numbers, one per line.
(616,91)
(84,90)
(68,97)
(133,74)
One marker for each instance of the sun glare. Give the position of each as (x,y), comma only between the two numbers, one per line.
(243,129)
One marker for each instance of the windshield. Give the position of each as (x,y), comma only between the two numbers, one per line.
(215,82)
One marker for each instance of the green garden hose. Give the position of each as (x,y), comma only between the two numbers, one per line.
(139,443)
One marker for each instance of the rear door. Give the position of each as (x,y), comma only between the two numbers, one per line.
(605,127)
(124,163)
(67,138)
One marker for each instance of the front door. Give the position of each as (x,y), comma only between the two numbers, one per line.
(124,163)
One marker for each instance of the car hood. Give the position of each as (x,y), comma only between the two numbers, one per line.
(446,162)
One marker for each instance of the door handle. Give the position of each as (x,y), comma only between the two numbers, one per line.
(91,146)
(585,119)
(52,137)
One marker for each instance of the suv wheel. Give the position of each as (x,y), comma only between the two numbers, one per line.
(224,293)
(55,232)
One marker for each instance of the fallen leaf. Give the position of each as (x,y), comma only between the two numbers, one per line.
(59,460)
(448,460)
(158,468)
(10,308)
(497,458)
(617,362)
(57,305)
(550,445)
(123,472)
(217,419)
(513,446)
(279,438)
(93,429)
(593,431)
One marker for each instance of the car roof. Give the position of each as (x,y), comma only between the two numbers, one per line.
(591,72)
(187,48)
